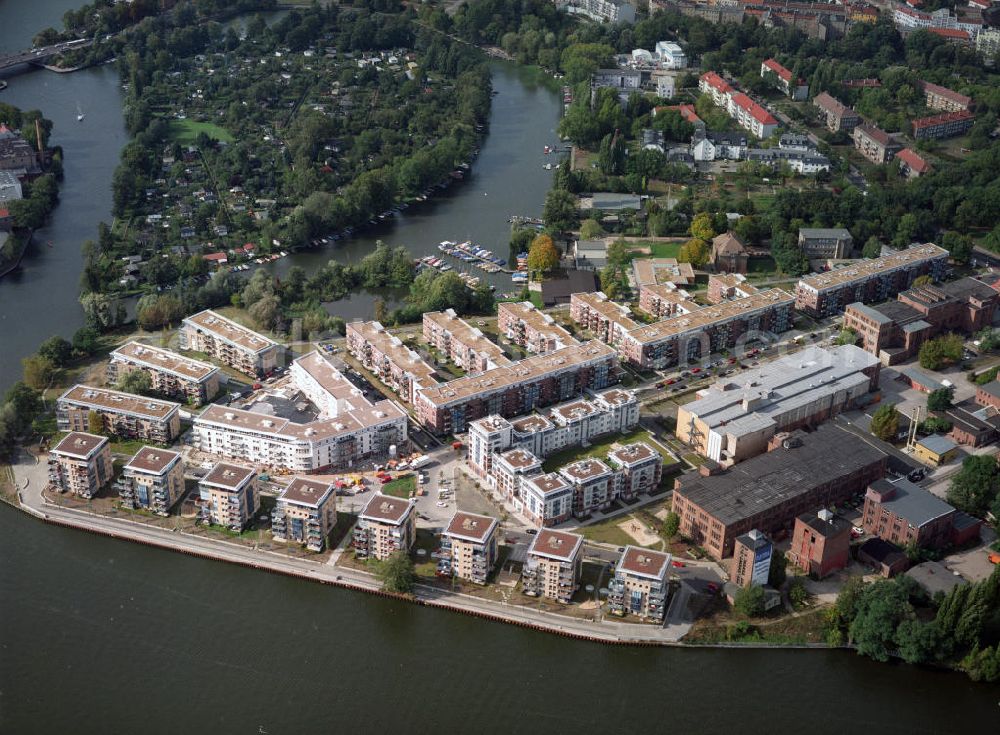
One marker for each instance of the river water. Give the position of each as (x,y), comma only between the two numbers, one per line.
(101,636)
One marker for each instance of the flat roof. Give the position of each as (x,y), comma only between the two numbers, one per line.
(557,545)
(867,268)
(79,444)
(519,459)
(644,563)
(571,357)
(648,271)
(167,361)
(708,315)
(386,509)
(226,329)
(828,528)
(119,402)
(632,454)
(466,334)
(152,459)
(912,502)
(825,233)
(670,293)
(531,423)
(471,527)
(937,443)
(393,348)
(615,396)
(228,476)
(332,381)
(935,577)
(549,483)
(769,480)
(307,492)
(610,310)
(536,319)
(585,469)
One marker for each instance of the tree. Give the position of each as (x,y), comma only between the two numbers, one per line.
(611,156)
(924,280)
(701,227)
(872,247)
(749,601)
(266,311)
(95,423)
(777,573)
(23,403)
(671,525)
(885,422)
(694,251)
(559,211)
(396,573)
(960,246)
(86,340)
(38,371)
(57,350)
(591,229)
(798,595)
(940,399)
(881,608)
(974,488)
(847,336)
(542,255)
(135,381)
(936,353)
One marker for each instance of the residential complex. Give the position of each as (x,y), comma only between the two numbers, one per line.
(821,543)
(389,360)
(747,113)
(385,526)
(868,281)
(795,89)
(305,513)
(874,144)
(80,464)
(665,300)
(513,390)
(825,242)
(461,343)
(553,564)
(651,271)
(347,429)
(228,496)
(602,11)
(837,115)
(153,479)
(173,375)
(904,513)
(524,325)
(121,414)
(608,320)
(733,420)
(571,424)
(801,472)
(937,97)
(473,543)
(943,125)
(233,344)
(726,286)
(751,562)
(639,586)
(894,331)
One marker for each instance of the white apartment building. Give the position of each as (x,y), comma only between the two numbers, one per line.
(671,55)
(385,526)
(170,374)
(553,565)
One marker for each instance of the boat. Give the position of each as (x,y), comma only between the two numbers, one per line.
(547,166)
(79,113)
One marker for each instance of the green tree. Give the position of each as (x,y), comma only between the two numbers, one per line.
(95,423)
(940,399)
(924,280)
(86,340)
(847,336)
(749,601)
(885,422)
(881,608)
(57,350)
(38,371)
(135,381)
(559,211)
(591,229)
(702,227)
(695,251)
(396,573)
(798,595)
(872,248)
(777,573)
(975,486)
(671,525)
(266,311)
(543,255)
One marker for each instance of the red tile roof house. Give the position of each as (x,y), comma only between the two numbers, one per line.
(216,258)
(751,116)
(912,165)
(795,89)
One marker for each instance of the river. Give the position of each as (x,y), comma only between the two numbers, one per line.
(101,636)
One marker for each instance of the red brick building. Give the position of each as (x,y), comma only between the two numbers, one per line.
(821,543)
(902,513)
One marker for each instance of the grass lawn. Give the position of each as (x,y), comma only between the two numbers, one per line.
(607,532)
(762,202)
(602,448)
(129,447)
(186,132)
(401,487)
(664,249)
(761,265)
(536,299)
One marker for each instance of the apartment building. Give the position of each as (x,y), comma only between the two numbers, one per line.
(665,300)
(801,472)
(732,421)
(624,82)
(911,164)
(795,89)
(461,343)
(233,344)
(874,144)
(473,542)
(869,280)
(943,125)
(565,425)
(903,513)
(836,114)
(81,464)
(662,271)
(637,469)
(539,380)
(729,253)
(348,428)
(593,485)
(751,116)
(833,243)
(821,543)
(727,286)
(603,11)
(228,496)
(524,325)
(605,319)
(170,374)
(687,337)
(941,98)
(553,565)
(671,55)
(385,526)
(305,513)
(125,415)
(719,89)
(392,362)
(639,586)
(153,479)
(751,564)
(546,499)
(507,468)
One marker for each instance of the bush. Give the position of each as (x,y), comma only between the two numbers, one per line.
(749,601)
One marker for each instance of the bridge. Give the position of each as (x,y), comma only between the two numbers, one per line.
(38,56)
